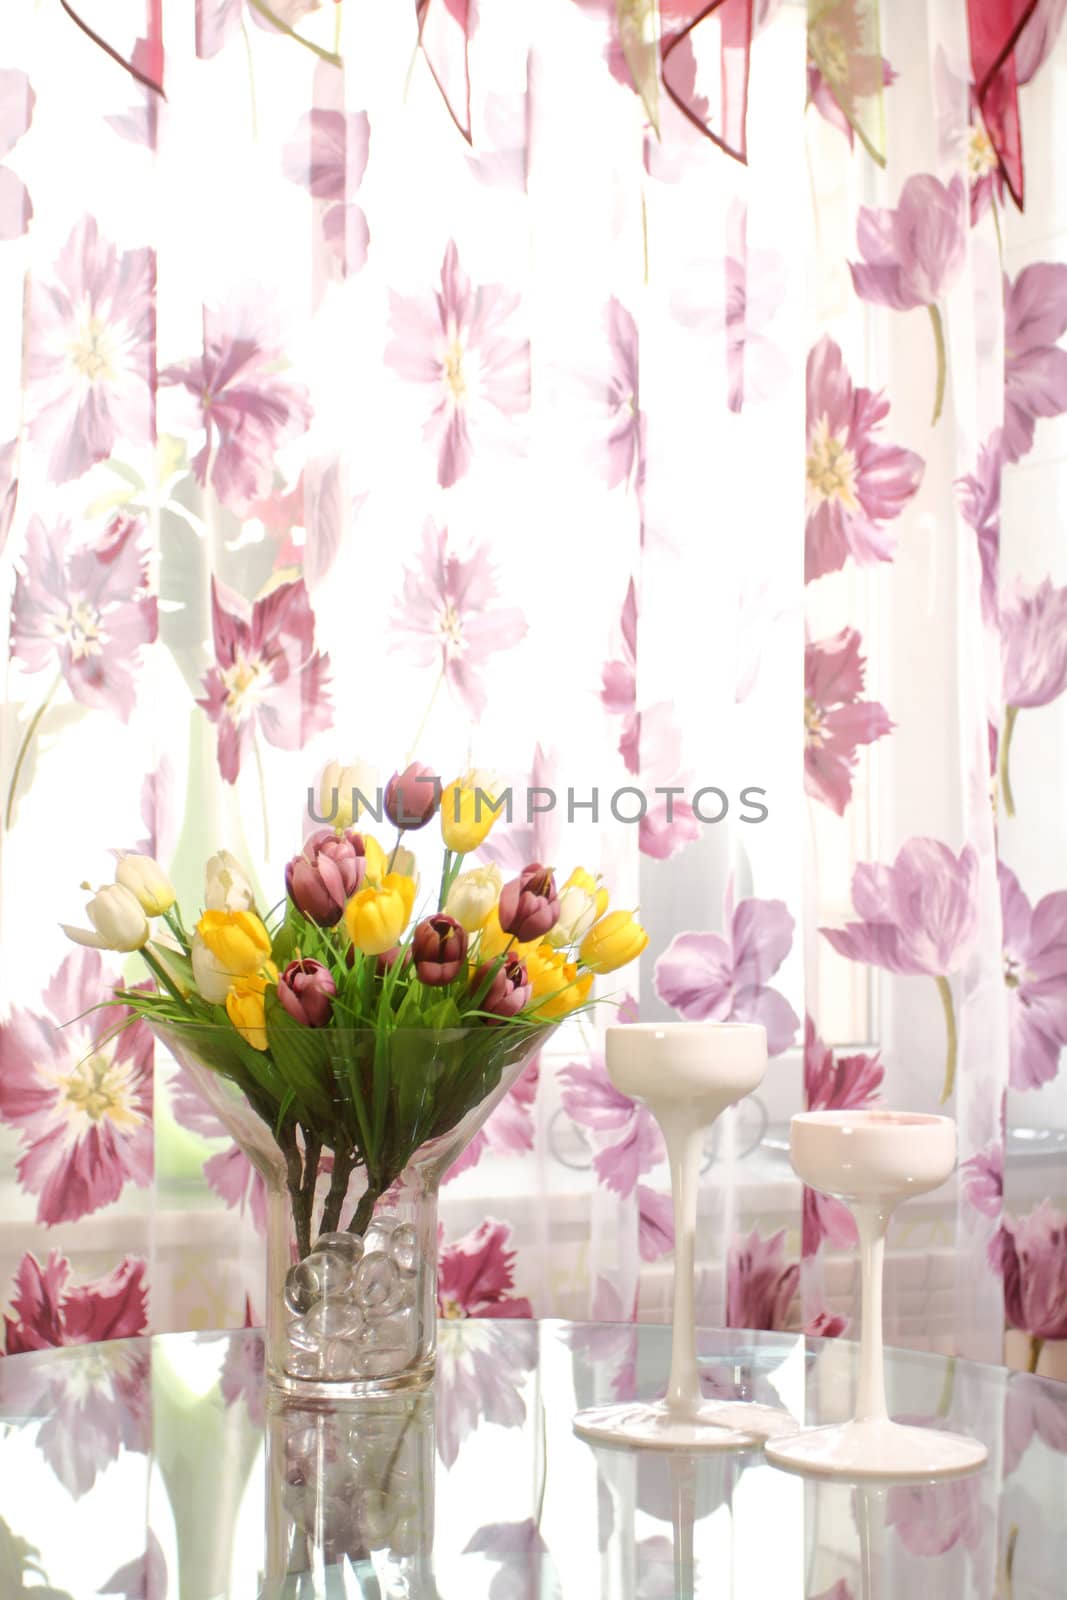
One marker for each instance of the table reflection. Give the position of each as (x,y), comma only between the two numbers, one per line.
(158,1470)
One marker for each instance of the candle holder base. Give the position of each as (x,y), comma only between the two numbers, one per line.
(710,1425)
(877,1448)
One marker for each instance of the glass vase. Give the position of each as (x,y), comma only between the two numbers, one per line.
(352,1184)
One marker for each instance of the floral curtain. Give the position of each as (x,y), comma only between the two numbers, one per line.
(720,499)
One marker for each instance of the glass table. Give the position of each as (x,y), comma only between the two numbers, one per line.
(156,1469)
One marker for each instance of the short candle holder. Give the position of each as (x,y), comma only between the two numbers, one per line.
(873,1160)
(686,1074)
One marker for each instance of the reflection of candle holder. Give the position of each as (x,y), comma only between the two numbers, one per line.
(873,1160)
(350,1487)
(687,1074)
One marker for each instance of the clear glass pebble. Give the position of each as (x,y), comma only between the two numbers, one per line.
(336,1318)
(404,1249)
(334,1272)
(304,1363)
(349,1245)
(339,1358)
(302,1286)
(300,1336)
(379,1231)
(377,1284)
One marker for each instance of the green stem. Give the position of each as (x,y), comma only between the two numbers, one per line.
(161,975)
(365,1210)
(1009,1562)
(944,989)
(421,729)
(996,223)
(294,1179)
(283,27)
(251,81)
(1036,1347)
(446,882)
(173,919)
(312,1152)
(337,28)
(1010,714)
(343,1163)
(939,347)
(396,847)
(944,1404)
(34,724)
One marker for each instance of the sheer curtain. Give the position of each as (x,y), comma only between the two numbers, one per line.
(596,459)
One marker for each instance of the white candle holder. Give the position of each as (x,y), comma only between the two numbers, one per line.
(873,1160)
(686,1074)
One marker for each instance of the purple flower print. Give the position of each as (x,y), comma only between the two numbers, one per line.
(979,495)
(983,1180)
(476,1275)
(229,1173)
(144,1578)
(855,484)
(1033,1406)
(327,155)
(1035,973)
(218,20)
(626,438)
(1035,368)
(1038,38)
(80,1099)
(241,1376)
(669,822)
(618,694)
(655,1223)
(914,254)
(847,1083)
(1030,1254)
(635,1146)
(512,845)
(461,346)
(16,109)
(445,616)
(846,70)
(510,1129)
(247,408)
(91,353)
(920,917)
(525,1565)
(759,1285)
(482,1377)
(1033,646)
(931,1522)
(714,977)
(267,675)
(836,720)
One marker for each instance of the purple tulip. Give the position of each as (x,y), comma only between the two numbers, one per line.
(326,874)
(438,949)
(529,904)
(509,991)
(306,989)
(913,254)
(412,796)
(1031,1254)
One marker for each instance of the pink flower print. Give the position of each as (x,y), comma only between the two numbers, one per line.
(979,495)
(846,71)
(95,1408)
(525,1566)
(669,822)
(482,1377)
(461,345)
(1038,38)
(229,1173)
(513,845)
(825,1325)
(1033,1407)
(1030,1254)
(144,1578)
(247,408)
(267,676)
(847,1083)
(91,353)
(476,1275)
(759,1285)
(836,720)
(241,1377)
(1035,973)
(626,438)
(218,20)
(1035,368)
(591,1100)
(913,255)
(510,1128)
(79,1099)
(9,488)
(714,977)
(920,917)
(445,616)
(327,155)
(838,1591)
(618,694)
(856,484)
(16,109)
(983,1180)
(932,1520)
(1033,646)
(158,813)
(655,1223)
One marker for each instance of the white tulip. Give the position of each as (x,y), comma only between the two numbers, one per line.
(578,910)
(146,879)
(226,885)
(116,915)
(473,896)
(211,977)
(337,787)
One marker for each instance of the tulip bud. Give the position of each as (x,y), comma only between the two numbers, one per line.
(376,916)
(246,1010)
(529,904)
(612,942)
(118,920)
(211,977)
(237,939)
(473,895)
(467,812)
(145,879)
(581,902)
(412,796)
(438,949)
(339,791)
(509,990)
(326,874)
(226,884)
(306,989)
(555,985)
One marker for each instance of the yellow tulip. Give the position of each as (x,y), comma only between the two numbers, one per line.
(493,941)
(612,942)
(237,939)
(246,1010)
(377,915)
(555,981)
(581,903)
(467,812)
(376,860)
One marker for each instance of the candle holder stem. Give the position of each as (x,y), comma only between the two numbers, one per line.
(683,1140)
(871,1224)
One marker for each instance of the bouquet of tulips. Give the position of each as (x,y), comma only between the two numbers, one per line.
(310,1008)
